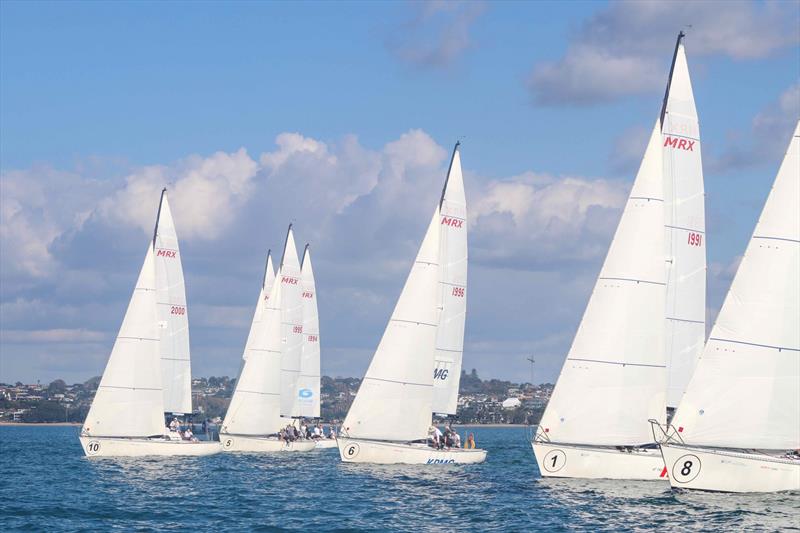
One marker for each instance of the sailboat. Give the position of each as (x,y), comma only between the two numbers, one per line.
(737,428)
(392,412)
(148,372)
(254,417)
(640,326)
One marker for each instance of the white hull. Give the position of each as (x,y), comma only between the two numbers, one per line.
(140,447)
(382,452)
(240,443)
(690,467)
(325,444)
(569,460)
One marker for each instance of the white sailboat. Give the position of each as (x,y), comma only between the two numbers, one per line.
(684,224)
(737,428)
(614,377)
(253,420)
(389,420)
(127,414)
(640,327)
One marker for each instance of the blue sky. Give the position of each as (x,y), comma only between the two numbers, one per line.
(341,117)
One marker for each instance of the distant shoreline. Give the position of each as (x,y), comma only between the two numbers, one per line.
(27,424)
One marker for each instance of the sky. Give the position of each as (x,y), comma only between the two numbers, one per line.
(340,118)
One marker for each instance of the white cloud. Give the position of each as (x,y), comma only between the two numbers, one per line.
(437,34)
(623,49)
(60,335)
(204,194)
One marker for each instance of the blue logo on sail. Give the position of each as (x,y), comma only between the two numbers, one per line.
(305,393)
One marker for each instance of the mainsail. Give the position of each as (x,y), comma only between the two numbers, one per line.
(745,392)
(291,305)
(256,402)
(173,315)
(307,400)
(614,377)
(684,226)
(395,399)
(129,401)
(452,290)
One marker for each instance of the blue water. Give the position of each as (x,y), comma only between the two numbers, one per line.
(47,484)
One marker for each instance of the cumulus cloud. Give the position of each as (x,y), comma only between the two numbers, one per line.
(363,210)
(437,34)
(623,49)
(539,221)
(204,193)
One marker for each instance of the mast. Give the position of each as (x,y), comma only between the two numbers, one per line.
(449,168)
(285,242)
(158,215)
(266,268)
(681,35)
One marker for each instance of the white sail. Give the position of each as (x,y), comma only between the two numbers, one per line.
(308,384)
(684,224)
(395,398)
(614,377)
(261,304)
(745,392)
(291,324)
(256,402)
(129,401)
(452,290)
(173,314)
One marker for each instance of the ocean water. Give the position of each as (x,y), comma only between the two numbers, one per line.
(48,485)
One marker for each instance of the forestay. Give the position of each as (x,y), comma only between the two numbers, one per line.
(173,314)
(255,406)
(452,290)
(307,398)
(291,324)
(129,401)
(395,399)
(614,377)
(684,225)
(745,392)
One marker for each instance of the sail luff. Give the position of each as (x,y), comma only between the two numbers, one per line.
(452,291)
(616,361)
(745,391)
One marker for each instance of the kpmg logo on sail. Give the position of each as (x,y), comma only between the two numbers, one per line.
(305,393)
(680,144)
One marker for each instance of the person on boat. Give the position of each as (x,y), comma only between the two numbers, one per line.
(303,430)
(174,425)
(188,435)
(436,436)
(456,440)
(470,444)
(317,431)
(331,432)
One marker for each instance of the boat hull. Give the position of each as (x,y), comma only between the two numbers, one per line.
(133,447)
(240,443)
(325,444)
(382,452)
(721,470)
(571,461)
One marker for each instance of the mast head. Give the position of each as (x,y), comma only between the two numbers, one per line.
(681,35)
(449,168)
(286,242)
(158,215)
